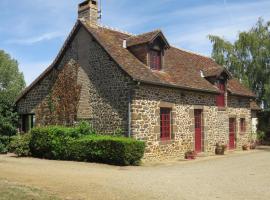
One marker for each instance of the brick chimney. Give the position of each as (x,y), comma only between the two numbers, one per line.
(88,11)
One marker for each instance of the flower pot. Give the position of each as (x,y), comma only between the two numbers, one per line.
(220,150)
(245,147)
(190,157)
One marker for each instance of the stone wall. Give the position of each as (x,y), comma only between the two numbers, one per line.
(146,104)
(29,103)
(105,88)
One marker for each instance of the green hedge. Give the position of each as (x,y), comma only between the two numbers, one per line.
(63,143)
(51,142)
(4,142)
(107,149)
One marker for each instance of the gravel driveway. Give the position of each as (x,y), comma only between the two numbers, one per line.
(240,175)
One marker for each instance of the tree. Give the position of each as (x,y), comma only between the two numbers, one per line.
(248,58)
(11,84)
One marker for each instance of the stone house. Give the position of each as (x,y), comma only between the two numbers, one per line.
(172,99)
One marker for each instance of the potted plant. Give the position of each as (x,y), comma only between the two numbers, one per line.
(245,147)
(220,149)
(253,144)
(190,155)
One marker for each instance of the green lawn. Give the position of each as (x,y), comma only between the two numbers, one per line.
(13,191)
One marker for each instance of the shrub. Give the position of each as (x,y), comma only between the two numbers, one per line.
(68,144)
(51,142)
(20,145)
(107,149)
(6,127)
(261,136)
(3,149)
(85,128)
(4,142)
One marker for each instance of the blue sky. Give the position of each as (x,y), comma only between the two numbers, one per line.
(34,31)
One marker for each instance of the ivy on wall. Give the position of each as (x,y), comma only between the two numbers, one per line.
(61,105)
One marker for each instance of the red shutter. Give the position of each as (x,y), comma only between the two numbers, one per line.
(221,97)
(165,123)
(155,60)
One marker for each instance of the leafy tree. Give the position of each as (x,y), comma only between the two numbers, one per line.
(248,58)
(11,84)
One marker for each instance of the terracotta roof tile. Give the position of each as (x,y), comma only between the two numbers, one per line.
(182,69)
(176,72)
(143,38)
(236,88)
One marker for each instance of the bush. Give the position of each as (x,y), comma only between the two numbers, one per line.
(3,149)
(85,128)
(260,136)
(4,142)
(20,145)
(51,142)
(107,149)
(6,128)
(68,144)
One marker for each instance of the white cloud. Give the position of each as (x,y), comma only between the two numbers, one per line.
(36,39)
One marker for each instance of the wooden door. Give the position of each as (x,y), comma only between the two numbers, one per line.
(198,130)
(232,127)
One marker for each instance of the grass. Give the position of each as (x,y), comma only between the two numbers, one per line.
(13,191)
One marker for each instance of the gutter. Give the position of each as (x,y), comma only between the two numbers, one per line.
(129,113)
(177,87)
(242,95)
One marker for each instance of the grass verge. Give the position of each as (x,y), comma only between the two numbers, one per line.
(14,191)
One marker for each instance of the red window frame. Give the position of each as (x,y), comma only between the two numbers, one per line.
(165,123)
(243,125)
(155,59)
(221,98)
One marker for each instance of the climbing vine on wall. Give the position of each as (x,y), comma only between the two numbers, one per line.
(61,105)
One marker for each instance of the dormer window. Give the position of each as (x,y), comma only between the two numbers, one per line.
(155,59)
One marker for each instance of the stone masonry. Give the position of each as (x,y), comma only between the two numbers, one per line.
(105,88)
(146,104)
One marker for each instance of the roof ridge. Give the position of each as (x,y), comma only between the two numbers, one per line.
(116,29)
(142,34)
(192,52)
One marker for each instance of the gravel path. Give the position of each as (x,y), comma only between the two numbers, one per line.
(239,176)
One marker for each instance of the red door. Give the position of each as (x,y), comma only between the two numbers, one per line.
(232,126)
(198,130)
